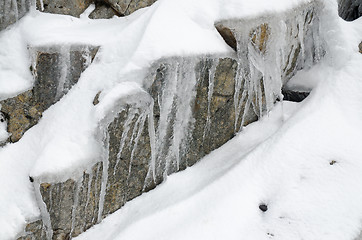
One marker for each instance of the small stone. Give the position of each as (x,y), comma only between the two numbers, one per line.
(31,179)
(360,47)
(332,162)
(96,98)
(263,207)
(227,35)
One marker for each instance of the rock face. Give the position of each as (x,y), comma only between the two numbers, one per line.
(104,8)
(192,105)
(55,71)
(350,10)
(126,7)
(66,7)
(11,11)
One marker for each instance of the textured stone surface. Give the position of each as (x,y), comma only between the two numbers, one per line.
(195,94)
(129,155)
(34,231)
(10,12)
(103,10)
(73,205)
(126,7)
(350,9)
(259,37)
(66,7)
(51,83)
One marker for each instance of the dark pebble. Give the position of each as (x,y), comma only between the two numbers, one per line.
(263,207)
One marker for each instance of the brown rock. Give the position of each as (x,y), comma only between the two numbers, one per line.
(65,7)
(227,35)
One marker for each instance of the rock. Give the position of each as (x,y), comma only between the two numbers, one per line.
(96,98)
(34,230)
(126,7)
(25,110)
(103,10)
(10,12)
(294,96)
(263,207)
(65,7)
(332,162)
(259,37)
(192,106)
(129,155)
(360,47)
(350,10)
(227,35)
(73,205)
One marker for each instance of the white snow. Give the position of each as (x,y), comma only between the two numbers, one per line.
(308,172)
(218,198)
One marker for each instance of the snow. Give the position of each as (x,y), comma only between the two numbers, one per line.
(308,171)
(219,197)
(181,187)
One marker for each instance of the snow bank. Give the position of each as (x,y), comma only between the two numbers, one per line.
(64,142)
(307,172)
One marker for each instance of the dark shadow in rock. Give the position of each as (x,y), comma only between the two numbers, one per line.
(350,10)
(294,96)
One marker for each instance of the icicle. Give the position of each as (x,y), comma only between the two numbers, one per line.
(127,127)
(75,203)
(95,184)
(140,126)
(185,94)
(63,82)
(105,162)
(165,104)
(15,9)
(44,212)
(152,134)
(41,5)
(210,93)
(300,24)
(87,56)
(90,178)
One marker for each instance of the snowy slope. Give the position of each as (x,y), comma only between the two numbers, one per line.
(308,172)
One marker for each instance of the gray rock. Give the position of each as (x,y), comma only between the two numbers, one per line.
(350,10)
(360,47)
(10,12)
(73,205)
(65,7)
(126,7)
(34,230)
